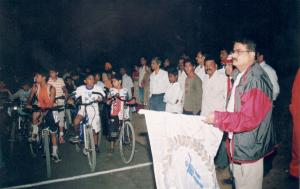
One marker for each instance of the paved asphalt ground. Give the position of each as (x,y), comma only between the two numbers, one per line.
(23,169)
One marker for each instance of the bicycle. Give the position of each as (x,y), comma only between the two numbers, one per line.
(42,143)
(87,136)
(126,137)
(20,123)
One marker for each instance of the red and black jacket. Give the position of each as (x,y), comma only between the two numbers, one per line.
(251,122)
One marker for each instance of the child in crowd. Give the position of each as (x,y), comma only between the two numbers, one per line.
(174,94)
(87,94)
(116,99)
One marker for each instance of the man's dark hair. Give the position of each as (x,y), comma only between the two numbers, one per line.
(184,57)
(117,76)
(172,70)
(210,57)
(251,46)
(42,73)
(123,67)
(88,75)
(224,49)
(261,52)
(157,60)
(186,61)
(53,68)
(202,52)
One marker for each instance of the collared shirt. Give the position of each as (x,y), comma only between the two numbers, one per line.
(214,93)
(273,77)
(181,78)
(173,98)
(159,82)
(200,71)
(127,84)
(58,84)
(142,72)
(230,106)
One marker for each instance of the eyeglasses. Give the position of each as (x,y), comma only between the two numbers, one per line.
(239,52)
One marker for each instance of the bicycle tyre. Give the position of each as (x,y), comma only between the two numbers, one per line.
(46,143)
(90,148)
(127,142)
(12,138)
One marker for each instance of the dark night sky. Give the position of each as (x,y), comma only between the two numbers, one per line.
(69,32)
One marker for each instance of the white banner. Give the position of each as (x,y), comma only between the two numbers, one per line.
(183,150)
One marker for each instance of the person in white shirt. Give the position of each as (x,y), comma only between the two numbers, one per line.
(142,71)
(181,73)
(61,91)
(87,94)
(271,73)
(98,81)
(214,99)
(200,70)
(214,88)
(174,94)
(159,83)
(127,82)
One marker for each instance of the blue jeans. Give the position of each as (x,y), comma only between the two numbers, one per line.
(141,95)
(157,103)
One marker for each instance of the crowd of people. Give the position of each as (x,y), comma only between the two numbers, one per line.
(235,92)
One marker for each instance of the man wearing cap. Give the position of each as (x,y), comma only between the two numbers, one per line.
(159,83)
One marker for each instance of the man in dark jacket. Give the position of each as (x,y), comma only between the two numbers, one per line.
(248,118)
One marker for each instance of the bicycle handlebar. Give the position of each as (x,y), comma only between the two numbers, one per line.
(117,96)
(55,108)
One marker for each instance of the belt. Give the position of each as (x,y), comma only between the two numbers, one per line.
(158,94)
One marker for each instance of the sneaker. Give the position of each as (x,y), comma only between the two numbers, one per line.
(85,151)
(61,140)
(56,158)
(75,139)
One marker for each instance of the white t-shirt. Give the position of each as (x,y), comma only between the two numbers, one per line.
(214,93)
(87,95)
(181,78)
(173,98)
(200,71)
(127,84)
(159,82)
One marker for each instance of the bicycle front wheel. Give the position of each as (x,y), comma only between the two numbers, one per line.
(12,138)
(89,148)
(127,142)
(47,152)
